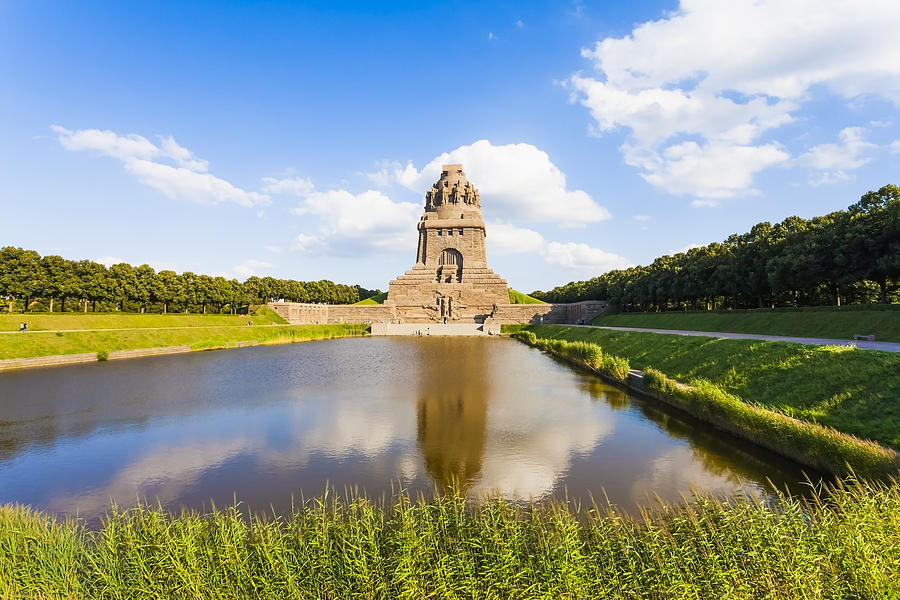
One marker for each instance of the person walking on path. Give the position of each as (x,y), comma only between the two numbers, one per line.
(24,327)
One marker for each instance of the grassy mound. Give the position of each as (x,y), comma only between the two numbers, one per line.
(520,298)
(841,544)
(854,391)
(825,322)
(264,314)
(376,299)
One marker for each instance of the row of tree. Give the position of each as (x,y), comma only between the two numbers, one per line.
(850,256)
(28,280)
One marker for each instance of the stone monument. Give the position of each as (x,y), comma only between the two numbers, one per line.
(450,281)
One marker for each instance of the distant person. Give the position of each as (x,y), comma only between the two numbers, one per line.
(24,326)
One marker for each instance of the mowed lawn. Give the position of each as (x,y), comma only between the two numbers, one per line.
(198,336)
(68,321)
(854,391)
(829,322)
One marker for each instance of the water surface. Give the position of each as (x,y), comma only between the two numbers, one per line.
(269,424)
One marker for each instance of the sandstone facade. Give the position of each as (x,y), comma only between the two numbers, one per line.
(451,281)
(300,313)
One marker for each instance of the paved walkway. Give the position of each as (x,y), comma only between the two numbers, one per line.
(863,345)
(433,329)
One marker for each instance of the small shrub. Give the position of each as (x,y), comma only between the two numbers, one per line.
(102,355)
(615,367)
(584,354)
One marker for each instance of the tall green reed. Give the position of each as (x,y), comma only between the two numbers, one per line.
(842,542)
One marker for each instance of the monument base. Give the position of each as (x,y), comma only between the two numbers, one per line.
(576,313)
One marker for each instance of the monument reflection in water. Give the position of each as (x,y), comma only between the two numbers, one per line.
(268,425)
(451,412)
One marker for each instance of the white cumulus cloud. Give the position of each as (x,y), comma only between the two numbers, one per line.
(832,161)
(505,238)
(698,89)
(685,248)
(582,257)
(348,224)
(516,181)
(187,179)
(109,261)
(848,154)
(250,267)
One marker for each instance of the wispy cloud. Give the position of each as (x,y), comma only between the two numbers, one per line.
(167,167)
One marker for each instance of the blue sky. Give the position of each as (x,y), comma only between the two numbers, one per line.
(297,140)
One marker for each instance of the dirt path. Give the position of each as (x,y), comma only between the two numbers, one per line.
(863,345)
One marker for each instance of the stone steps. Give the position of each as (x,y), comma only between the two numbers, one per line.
(434,329)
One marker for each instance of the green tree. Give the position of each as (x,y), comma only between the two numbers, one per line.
(60,279)
(168,288)
(21,275)
(93,279)
(875,237)
(146,285)
(122,284)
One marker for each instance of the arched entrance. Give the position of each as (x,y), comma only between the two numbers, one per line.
(450,264)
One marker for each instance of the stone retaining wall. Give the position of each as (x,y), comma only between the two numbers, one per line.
(73,359)
(297,313)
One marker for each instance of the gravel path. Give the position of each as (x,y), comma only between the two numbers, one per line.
(863,345)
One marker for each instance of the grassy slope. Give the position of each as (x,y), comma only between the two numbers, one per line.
(844,546)
(16,345)
(376,299)
(828,323)
(520,298)
(854,391)
(65,321)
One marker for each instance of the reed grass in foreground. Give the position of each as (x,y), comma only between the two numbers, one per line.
(842,543)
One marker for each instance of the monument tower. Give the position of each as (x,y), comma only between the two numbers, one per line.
(450,281)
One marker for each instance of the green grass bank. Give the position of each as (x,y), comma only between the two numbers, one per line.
(854,391)
(68,321)
(844,543)
(49,343)
(823,448)
(376,299)
(882,321)
(516,297)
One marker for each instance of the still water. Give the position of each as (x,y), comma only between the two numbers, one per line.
(269,425)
